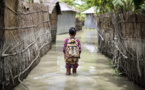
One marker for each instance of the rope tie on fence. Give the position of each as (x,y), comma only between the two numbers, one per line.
(34,12)
(15,28)
(22,82)
(101,37)
(31,64)
(130,22)
(6,55)
(119,50)
(112,41)
(19,14)
(13,11)
(24,13)
(98,30)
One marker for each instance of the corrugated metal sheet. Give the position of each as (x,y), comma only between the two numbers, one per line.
(65,7)
(65,21)
(90,21)
(51,4)
(91,10)
(90,18)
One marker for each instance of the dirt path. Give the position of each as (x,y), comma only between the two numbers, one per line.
(94,72)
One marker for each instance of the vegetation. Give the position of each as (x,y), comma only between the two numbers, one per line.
(118,6)
(31,1)
(116,70)
(69,2)
(80,8)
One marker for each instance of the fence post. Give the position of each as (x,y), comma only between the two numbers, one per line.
(2,25)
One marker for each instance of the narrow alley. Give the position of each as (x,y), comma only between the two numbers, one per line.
(94,72)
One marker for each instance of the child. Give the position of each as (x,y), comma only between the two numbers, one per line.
(72,33)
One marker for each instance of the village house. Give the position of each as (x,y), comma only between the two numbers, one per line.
(90,21)
(66,19)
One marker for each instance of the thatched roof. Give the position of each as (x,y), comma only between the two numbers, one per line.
(56,3)
(52,4)
(90,10)
(65,7)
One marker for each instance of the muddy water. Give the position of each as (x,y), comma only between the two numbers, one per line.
(94,72)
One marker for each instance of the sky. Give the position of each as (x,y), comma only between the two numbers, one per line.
(79,2)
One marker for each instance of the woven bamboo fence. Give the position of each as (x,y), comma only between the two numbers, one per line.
(53,18)
(78,24)
(26,38)
(122,38)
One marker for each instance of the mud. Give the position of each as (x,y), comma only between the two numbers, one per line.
(94,72)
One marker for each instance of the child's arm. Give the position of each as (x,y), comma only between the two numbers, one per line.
(79,44)
(65,44)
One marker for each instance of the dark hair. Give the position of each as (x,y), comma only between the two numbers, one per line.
(72,31)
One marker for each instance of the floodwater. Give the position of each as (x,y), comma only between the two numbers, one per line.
(94,72)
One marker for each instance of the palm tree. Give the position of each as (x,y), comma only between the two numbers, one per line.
(116,5)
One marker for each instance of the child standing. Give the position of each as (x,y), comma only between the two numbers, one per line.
(72,56)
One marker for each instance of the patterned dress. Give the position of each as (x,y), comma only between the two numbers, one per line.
(65,44)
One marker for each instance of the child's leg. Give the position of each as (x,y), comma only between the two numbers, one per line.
(68,71)
(74,70)
(75,66)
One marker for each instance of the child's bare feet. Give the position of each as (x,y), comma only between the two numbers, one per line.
(74,70)
(68,71)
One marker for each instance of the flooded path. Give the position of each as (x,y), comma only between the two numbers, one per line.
(94,72)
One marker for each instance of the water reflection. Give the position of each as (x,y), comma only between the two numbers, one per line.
(91,48)
(94,72)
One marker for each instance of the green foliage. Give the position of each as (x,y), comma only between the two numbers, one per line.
(129,5)
(111,64)
(118,6)
(117,2)
(138,3)
(124,5)
(81,17)
(69,2)
(31,1)
(116,70)
(102,5)
(80,8)
(143,7)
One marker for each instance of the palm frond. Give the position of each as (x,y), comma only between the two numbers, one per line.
(117,2)
(137,3)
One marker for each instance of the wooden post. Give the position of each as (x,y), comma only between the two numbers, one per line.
(2,7)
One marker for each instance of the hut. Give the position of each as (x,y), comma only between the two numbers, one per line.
(54,11)
(66,19)
(90,21)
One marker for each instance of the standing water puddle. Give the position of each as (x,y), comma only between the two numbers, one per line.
(94,72)
(91,48)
